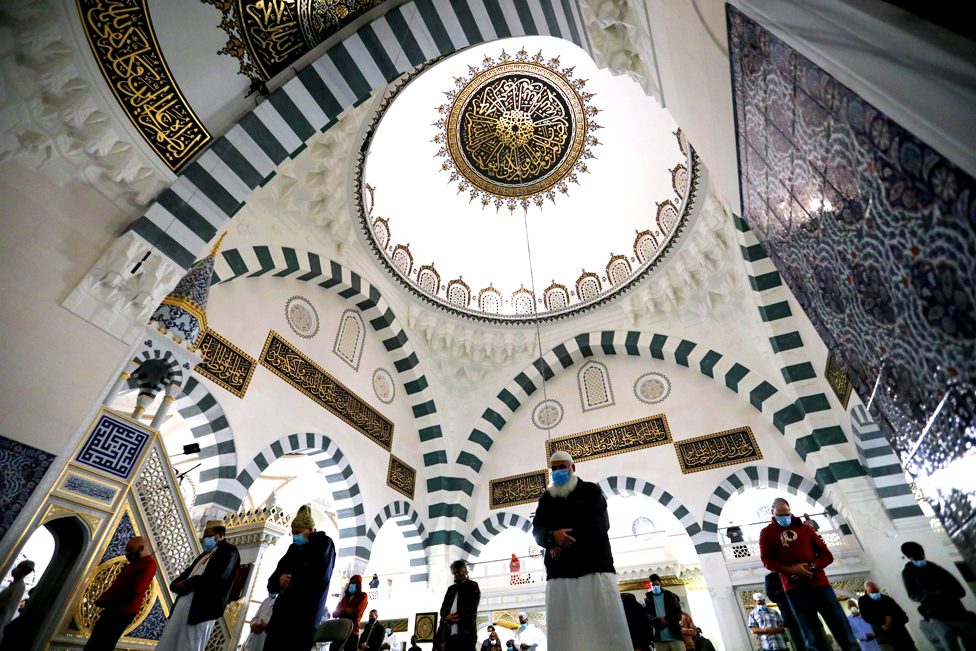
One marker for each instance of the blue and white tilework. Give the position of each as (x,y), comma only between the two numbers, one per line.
(151,628)
(91,489)
(23,467)
(113,447)
(123,533)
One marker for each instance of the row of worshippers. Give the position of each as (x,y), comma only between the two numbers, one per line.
(13,598)
(796,557)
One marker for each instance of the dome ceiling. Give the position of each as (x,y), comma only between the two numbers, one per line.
(514,132)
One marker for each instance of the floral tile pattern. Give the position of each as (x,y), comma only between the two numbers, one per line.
(23,467)
(875,233)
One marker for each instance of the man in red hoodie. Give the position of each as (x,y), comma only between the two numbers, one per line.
(122,600)
(798,553)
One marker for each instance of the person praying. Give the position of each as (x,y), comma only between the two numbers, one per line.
(122,601)
(352,606)
(203,591)
(583,607)
(301,580)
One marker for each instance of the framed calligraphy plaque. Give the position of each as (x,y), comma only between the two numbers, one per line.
(122,39)
(518,489)
(626,437)
(288,363)
(425,626)
(401,477)
(717,450)
(225,363)
(838,381)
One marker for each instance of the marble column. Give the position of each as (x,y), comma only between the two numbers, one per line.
(731,622)
(172,391)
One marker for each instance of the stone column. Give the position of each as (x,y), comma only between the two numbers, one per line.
(130,368)
(172,391)
(731,624)
(252,532)
(142,403)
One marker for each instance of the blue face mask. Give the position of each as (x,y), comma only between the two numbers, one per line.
(524,626)
(656,589)
(874,595)
(762,607)
(919,563)
(209,543)
(352,588)
(783,520)
(298,539)
(389,631)
(560,477)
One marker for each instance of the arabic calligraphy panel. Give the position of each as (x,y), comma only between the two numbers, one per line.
(225,364)
(401,477)
(838,381)
(617,439)
(288,363)
(122,39)
(518,489)
(717,450)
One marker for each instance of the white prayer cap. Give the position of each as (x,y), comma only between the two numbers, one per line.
(561,455)
(756,596)
(522,614)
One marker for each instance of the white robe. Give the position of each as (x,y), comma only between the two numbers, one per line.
(532,636)
(178,634)
(256,641)
(586,613)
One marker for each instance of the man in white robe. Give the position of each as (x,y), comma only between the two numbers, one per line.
(528,637)
(583,607)
(260,622)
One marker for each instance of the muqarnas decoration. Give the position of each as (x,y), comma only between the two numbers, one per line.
(717,450)
(606,441)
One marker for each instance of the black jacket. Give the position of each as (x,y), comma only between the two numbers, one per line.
(298,608)
(874,613)
(637,622)
(373,635)
(777,595)
(211,590)
(922,582)
(672,613)
(469,598)
(585,512)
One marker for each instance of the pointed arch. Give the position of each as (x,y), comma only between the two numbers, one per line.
(412,527)
(210,428)
(491,527)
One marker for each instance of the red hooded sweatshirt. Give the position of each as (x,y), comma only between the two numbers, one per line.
(781,547)
(353,606)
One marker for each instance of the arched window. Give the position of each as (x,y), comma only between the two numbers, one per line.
(490,300)
(667,217)
(594,386)
(522,300)
(588,286)
(381,231)
(645,246)
(402,259)
(429,280)
(618,270)
(679,180)
(349,338)
(556,297)
(458,293)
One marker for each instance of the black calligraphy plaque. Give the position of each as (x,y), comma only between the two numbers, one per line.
(401,477)
(122,39)
(288,363)
(518,489)
(838,381)
(626,437)
(716,450)
(225,364)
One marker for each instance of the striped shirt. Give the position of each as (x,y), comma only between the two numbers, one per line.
(767,618)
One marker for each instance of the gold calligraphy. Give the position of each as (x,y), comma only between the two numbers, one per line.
(518,489)
(717,450)
(838,381)
(225,364)
(401,477)
(603,442)
(122,39)
(285,361)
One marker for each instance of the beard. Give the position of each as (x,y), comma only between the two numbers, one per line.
(565,489)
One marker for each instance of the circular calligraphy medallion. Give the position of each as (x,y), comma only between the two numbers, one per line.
(302,317)
(517,130)
(383,385)
(652,388)
(547,414)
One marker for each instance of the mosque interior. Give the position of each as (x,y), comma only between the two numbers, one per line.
(365,254)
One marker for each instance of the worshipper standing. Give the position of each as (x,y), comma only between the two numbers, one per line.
(352,606)
(459,612)
(203,589)
(939,595)
(514,566)
(663,609)
(491,642)
(810,523)
(583,607)
(528,637)
(863,632)
(637,624)
(259,623)
(413,644)
(776,594)
(374,582)
(122,600)
(768,625)
(373,633)
(392,640)
(301,580)
(689,630)
(734,533)
(886,618)
(13,594)
(795,550)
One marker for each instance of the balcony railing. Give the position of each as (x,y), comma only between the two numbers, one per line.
(750,550)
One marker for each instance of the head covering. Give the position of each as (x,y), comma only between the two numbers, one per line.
(561,455)
(523,615)
(756,596)
(303,519)
(26,565)
(214,523)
